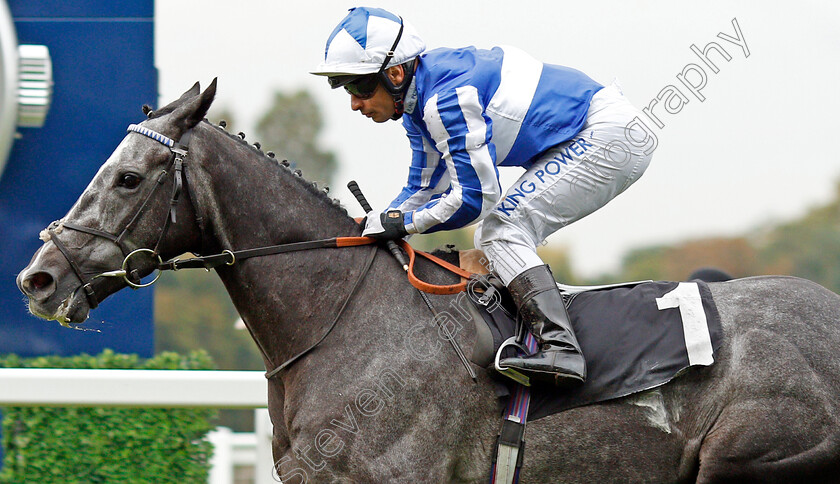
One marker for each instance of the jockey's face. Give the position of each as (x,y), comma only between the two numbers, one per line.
(380,106)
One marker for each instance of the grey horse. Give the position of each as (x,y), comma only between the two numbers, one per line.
(381,398)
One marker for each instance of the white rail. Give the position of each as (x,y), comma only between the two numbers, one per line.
(132,388)
(41,387)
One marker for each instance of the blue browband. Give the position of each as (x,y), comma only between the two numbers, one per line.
(169,142)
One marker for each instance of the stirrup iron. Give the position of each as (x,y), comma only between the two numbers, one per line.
(514,375)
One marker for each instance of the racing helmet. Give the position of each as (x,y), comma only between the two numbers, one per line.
(368,41)
(364,44)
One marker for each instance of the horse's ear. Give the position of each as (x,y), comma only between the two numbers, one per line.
(195,109)
(205,100)
(189,94)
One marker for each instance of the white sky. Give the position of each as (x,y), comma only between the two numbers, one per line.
(756,150)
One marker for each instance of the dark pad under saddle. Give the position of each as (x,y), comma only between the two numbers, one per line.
(629,343)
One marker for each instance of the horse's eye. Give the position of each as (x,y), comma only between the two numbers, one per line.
(130,180)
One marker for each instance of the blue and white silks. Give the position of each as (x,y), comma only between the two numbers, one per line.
(476,110)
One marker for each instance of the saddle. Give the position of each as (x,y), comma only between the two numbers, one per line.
(634,336)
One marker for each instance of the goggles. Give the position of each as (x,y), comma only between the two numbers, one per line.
(363,87)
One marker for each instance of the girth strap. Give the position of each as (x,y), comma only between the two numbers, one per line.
(509,453)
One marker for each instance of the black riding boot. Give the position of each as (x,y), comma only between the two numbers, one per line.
(541,310)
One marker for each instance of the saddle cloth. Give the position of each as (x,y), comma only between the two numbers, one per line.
(634,337)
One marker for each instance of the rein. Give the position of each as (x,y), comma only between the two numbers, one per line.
(228,257)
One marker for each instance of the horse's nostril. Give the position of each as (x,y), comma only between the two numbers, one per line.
(37,284)
(40,280)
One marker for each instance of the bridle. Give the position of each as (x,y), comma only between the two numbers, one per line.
(177,165)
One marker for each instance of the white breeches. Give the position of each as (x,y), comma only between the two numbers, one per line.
(567,183)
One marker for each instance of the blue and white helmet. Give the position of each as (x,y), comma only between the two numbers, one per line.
(361,43)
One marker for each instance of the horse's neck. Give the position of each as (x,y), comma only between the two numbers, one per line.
(284,299)
(288,301)
(251,198)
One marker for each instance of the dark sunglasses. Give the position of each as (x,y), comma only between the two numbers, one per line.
(364,87)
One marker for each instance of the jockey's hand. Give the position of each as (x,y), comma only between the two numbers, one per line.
(385,226)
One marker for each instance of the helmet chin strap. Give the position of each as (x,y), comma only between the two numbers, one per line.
(399,109)
(398,91)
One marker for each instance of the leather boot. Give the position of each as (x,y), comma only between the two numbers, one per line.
(541,309)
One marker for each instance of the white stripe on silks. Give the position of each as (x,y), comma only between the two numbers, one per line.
(450,204)
(476,146)
(426,191)
(442,184)
(509,105)
(422,197)
(698,340)
(432,158)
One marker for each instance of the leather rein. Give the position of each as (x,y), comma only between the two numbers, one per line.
(177,165)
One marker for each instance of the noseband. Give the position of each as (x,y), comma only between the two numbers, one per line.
(132,278)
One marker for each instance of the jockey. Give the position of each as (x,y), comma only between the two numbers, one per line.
(468,111)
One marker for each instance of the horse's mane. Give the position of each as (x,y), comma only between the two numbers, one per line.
(268,156)
(283,165)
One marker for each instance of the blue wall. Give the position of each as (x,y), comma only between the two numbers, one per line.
(103,67)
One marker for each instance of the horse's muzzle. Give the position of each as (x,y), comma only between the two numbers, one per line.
(50,295)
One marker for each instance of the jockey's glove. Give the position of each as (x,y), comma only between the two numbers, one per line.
(385,226)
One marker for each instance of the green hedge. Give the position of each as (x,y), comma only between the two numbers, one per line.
(88,445)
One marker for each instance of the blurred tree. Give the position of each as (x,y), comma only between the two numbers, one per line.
(561,264)
(808,247)
(735,255)
(290,128)
(638,265)
(194,311)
